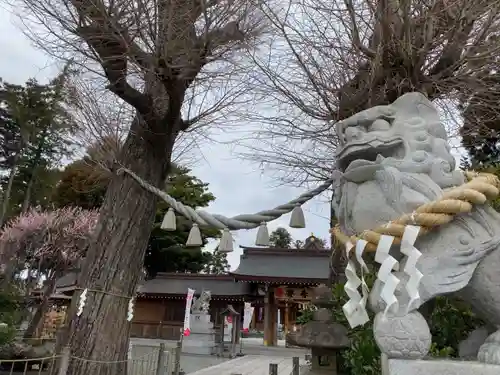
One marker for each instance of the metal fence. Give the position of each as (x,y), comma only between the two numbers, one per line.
(38,366)
(142,360)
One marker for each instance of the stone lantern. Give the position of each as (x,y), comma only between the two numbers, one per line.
(325,338)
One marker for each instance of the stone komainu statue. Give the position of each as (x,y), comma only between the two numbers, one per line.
(202,304)
(393,159)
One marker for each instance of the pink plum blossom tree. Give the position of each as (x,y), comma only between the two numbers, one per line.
(44,243)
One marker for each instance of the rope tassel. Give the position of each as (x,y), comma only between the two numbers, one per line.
(297,219)
(226,242)
(194,237)
(169,221)
(262,235)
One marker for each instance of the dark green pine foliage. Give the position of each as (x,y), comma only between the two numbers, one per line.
(218,263)
(280,238)
(35,139)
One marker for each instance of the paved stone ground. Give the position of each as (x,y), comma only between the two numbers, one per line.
(191,362)
(251,365)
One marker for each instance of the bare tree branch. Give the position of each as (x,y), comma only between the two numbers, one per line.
(329,60)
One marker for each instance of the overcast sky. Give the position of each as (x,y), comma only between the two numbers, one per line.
(239,186)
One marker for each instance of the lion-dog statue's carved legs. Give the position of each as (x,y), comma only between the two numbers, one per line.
(482,293)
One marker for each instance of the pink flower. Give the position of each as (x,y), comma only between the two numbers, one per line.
(58,237)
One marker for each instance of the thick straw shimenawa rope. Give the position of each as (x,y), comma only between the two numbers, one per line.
(480,188)
(247,221)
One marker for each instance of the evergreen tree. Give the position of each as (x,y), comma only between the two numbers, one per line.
(280,238)
(37,123)
(217,263)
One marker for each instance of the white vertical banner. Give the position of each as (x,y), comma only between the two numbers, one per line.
(187,313)
(228,325)
(247,316)
(278,325)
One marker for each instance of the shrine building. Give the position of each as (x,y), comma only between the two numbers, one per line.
(276,281)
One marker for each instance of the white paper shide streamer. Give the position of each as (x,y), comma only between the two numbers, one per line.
(413,254)
(389,280)
(365,291)
(355,308)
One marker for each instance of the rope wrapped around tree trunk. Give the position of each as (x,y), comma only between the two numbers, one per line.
(480,188)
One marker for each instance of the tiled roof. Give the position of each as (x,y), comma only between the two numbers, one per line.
(300,265)
(68,280)
(176,283)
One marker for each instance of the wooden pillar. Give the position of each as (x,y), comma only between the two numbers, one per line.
(270,338)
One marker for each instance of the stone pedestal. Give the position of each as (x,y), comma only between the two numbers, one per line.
(202,337)
(323,361)
(438,367)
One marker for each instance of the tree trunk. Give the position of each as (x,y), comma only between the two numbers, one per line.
(114,260)
(27,195)
(8,189)
(43,307)
(34,166)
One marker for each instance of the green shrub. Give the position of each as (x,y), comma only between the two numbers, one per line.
(451,321)
(306,315)
(9,313)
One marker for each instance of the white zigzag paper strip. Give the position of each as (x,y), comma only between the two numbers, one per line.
(390,282)
(365,291)
(415,276)
(354,309)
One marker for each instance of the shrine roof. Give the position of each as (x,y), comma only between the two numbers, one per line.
(67,282)
(178,283)
(283,265)
(174,284)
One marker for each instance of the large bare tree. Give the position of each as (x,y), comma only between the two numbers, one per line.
(104,120)
(330,59)
(171,61)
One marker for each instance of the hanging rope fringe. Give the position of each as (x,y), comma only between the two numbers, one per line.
(169,221)
(226,242)
(246,221)
(480,188)
(262,235)
(194,237)
(297,219)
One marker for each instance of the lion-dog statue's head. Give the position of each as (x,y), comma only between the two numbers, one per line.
(391,160)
